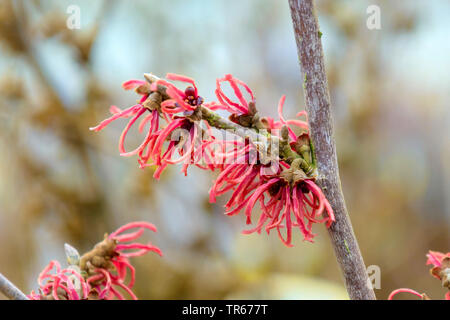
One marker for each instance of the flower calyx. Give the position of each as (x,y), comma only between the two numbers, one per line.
(100,256)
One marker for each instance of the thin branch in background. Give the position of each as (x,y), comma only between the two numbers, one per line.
(10,290)
(317,99)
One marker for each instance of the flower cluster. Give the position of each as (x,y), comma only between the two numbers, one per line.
(103,273)
(440,270)
(60,284)
(262,160)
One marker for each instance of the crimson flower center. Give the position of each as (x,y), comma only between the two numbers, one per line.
(191,97)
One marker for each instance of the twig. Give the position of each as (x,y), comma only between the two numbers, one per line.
(317,98)
(10,290)
(271,145)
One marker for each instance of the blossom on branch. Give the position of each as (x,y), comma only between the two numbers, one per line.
(235,107)
(266,161)
(180,100)
(440,270)
(287,199)
(56,283)
(103,273)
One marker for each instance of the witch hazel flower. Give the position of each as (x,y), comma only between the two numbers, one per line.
(243,110)
(236,175)
(267,162)
(103,273)
(108,262)
(159,146)
(56,283)
(438,260)
(135,112)
(273,125)
(287,200)
(180,101)
(440,270)
(423,296)
(242,106)
(184,139)
(291,204)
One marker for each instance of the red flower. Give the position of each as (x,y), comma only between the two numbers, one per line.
(185,137)
(287,195)
(405,290)
(240,107)
(61,284)
(276,125)
(136,112)
(187,100)
(436,258)
(120,237)
(284,204)
(99,273)
(153,147)
(440,271)
(105,280)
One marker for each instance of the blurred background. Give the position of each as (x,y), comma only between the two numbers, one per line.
(59,182)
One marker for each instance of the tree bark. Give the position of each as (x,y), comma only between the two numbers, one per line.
(317,99)
(10,290)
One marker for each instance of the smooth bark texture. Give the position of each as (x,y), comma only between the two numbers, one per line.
(10,290)
(317,98)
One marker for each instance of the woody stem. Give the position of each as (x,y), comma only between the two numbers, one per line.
(10,290)
(317,98)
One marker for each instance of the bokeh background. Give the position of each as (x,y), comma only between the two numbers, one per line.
(59,182)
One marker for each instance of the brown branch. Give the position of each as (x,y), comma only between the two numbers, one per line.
(317,98)
(10,290)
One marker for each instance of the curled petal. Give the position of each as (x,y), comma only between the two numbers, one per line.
(178,77)
(258,192)
(406,290)
(131,84)
(131,225)
(127,128)
(234,107)
(124,113)
(129,236)
(435,258)
(292,135)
